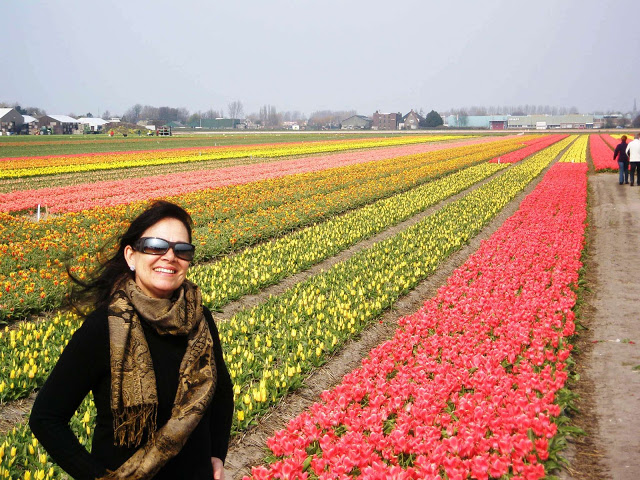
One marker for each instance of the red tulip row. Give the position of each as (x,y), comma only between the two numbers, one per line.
(467,386)
(75,198)
(610,140)
(535,145)
(601,154)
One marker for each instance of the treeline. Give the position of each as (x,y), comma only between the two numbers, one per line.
(516,110)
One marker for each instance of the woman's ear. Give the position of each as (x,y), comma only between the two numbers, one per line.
(129,257)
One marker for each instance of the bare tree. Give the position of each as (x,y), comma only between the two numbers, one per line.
(132,115)
(236,110)
(211,114)
(183,115)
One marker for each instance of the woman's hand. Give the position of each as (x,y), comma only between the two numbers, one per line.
(218,468)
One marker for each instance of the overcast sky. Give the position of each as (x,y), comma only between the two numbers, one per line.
(79,56)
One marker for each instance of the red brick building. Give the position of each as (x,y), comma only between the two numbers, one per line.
(386,121)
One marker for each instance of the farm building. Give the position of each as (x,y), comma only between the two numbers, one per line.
(356,122)
(492,122)
(92,125)
(216,123)
(30,125)
(386,121)
(544,122)
(413,121)
(60,124)
(10,121)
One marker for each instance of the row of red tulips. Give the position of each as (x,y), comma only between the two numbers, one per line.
(468,386)
(533,145)
(601,154)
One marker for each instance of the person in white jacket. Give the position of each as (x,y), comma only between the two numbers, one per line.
(633,151)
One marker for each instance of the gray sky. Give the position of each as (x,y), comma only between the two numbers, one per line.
(78,56)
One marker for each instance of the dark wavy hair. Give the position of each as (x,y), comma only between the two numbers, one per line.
(95,292)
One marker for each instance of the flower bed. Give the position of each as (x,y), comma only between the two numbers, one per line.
(467,386)
(57,164)
(32,271)
(577,151)
(533,145)
(269,349)
(601,154)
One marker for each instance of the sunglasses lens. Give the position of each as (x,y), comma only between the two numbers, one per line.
(155,246)
(159,246)
(184,251)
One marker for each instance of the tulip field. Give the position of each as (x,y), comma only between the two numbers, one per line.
(472,385)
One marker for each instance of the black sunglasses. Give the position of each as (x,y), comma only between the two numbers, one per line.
(160,246)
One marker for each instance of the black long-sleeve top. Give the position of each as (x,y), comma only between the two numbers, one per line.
(621,153)
(84,366)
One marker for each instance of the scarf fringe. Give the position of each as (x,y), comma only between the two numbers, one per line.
(131,423)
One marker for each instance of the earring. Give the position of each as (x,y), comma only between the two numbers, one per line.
(132,268)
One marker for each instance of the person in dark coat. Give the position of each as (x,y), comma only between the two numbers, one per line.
(150,353)
(623,160)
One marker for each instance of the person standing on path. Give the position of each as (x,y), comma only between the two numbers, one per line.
(633,151)
(623,159)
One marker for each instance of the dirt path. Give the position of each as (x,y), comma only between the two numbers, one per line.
(610,347)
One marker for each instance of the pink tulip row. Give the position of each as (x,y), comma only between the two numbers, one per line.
(601,154)
(466,388)
(110,193)
(532,147)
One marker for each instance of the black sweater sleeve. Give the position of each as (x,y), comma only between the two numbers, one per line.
(74,375)
(222,403)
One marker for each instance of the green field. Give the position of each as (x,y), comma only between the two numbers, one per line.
(36,145)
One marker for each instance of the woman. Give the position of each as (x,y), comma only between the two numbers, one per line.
(151,355)
(623,160)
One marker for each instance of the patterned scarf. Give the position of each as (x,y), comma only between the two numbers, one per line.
(134,399)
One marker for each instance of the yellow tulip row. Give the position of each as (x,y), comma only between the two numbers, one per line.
(577,152)
(255,268)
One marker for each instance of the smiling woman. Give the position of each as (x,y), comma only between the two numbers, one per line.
(151,355)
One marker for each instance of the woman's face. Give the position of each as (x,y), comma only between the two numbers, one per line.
(158,276)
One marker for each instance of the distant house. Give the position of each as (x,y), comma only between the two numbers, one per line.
(356,122)
(413,121)
(30,125)
(92,124)
(10,121)
(386,121)
(60,124)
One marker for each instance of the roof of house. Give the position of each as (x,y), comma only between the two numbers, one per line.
(4,111)
(29,119)
(63,118)
(420,117)
(96,122)
(361,117)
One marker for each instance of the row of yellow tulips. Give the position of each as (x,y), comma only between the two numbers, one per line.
(577,152)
